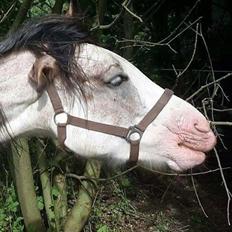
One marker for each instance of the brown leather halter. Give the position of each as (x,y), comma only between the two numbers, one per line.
(132,135)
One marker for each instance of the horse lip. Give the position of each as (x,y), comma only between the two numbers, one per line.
(185,158)
(203,142)
(180,166)
(174,166)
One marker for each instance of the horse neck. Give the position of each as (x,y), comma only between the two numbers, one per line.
(16,94)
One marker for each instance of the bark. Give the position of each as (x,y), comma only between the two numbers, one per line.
(22,13)
(101,9)
(58,6)
(60,204)
(128,31)
(45,183)
(25,186)
(74,8)
(82,208)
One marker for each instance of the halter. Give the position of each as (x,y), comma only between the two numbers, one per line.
(132,135)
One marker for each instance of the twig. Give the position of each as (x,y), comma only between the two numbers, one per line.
(225,185)
(154,44)
(178,75)
(210,61)
(204,103)
(185,29)
(80,178)
(222,110)
(103,27)
(180,24)
(198,199)
(130,12)
(165,193)
(142,43)
(220,123)
(193,70)
(207,85)
(7,13)
(186,174)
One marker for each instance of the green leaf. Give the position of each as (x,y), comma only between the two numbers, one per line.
(40,203)
(55,192)
(103,229)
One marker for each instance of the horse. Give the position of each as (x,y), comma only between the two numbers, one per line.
(56,82)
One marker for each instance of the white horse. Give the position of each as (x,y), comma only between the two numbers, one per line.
(93,83)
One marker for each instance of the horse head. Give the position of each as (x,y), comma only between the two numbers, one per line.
(97,85)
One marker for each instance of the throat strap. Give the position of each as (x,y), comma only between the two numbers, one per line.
(132,135)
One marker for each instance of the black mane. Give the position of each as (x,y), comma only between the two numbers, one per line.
(57,36)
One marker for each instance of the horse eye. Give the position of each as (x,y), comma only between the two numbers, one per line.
(117,80)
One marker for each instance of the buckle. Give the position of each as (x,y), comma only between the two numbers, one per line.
(61,118)
(134,135)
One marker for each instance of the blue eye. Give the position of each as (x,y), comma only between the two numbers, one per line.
(117,80)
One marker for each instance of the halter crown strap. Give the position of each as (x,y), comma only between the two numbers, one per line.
(132,135)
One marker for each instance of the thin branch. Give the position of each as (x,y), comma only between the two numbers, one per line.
(142,43)
(7,13)
(207,85)
(193,70)
(225,185)
(178,75)
(222,110)
(181,23)
(185,29)
(130,12)
(103,27)
(220,123)
(210,60)
(154,44)
(81,178)
(198,198)
(186,174)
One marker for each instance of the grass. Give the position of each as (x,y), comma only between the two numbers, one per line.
(118,210)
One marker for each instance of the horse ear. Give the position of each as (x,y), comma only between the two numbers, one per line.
(43,72)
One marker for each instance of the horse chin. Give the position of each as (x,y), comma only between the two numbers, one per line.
(185,158)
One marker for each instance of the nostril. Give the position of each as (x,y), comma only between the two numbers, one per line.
(202,126)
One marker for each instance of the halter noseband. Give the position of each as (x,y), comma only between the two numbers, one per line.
(132,135)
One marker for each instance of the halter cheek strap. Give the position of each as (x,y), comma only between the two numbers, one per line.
(132,135)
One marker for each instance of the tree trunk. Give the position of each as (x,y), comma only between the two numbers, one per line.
(45,182)
(22,13)
(58,6)
(60,204)
(25,186)
(82,208)
(101,9)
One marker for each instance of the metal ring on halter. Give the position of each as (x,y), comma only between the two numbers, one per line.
(134,134)
(61,118)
